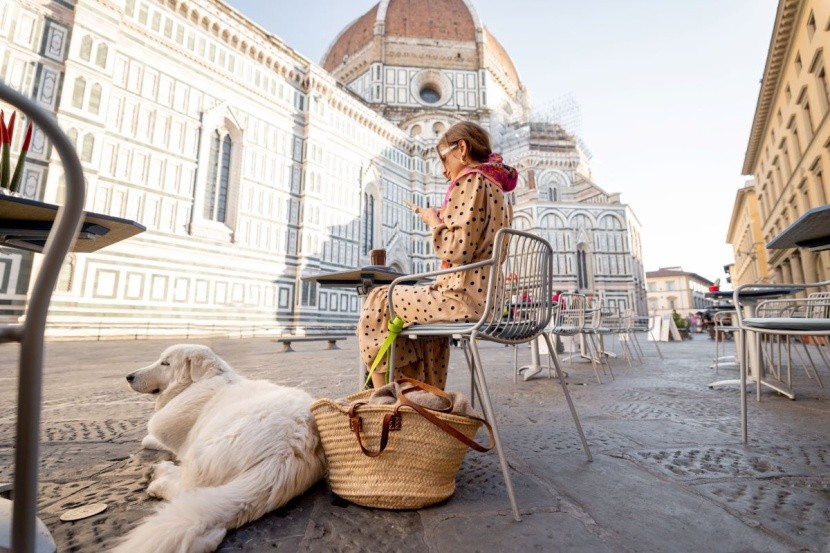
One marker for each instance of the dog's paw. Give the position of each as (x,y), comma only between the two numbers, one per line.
(150,442)
(147,476)
(156,489)
(165,478)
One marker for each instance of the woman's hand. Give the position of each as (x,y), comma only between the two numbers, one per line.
(427,214)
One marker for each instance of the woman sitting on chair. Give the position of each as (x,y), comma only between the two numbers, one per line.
(463,230)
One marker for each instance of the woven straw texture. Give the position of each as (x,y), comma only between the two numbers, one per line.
(416,469)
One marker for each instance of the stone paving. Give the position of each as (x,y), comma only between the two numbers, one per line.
(669,474)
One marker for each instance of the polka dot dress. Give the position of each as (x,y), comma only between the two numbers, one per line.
(476,210)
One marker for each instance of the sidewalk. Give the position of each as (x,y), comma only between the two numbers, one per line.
(669,474)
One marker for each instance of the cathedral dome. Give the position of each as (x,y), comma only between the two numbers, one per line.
(429,34)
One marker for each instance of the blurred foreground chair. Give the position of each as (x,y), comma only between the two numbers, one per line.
(527,259)
(27,533)
(796,317)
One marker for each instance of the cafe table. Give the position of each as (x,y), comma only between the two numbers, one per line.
(362,280)
(749,299)
(811,231)
(25,224)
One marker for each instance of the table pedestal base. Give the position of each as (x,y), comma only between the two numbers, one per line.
(535,367)
(772,385)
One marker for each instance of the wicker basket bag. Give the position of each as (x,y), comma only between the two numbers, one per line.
(401,456)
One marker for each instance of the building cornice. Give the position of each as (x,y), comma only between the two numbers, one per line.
(779,48)
(737,209)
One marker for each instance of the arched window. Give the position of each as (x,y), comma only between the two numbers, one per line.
(219,165)
(72,135)
(552,194)
(581,277)
(521,223)
(86,150)
(64,283)
(95,99)
(86,48)
(368,221)
(78,92)
(583,268)
(101,55)
(580,220)
(609,222)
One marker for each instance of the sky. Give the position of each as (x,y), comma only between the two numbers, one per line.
(666,88)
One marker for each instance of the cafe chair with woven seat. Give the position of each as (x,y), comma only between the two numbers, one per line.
(805,317)
(521,267)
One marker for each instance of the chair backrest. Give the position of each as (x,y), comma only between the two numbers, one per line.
(818,305)
(569,317)
(519,304)
(593,319)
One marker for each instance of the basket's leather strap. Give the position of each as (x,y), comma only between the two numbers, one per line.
(392,421)
(427,414)
(418,385)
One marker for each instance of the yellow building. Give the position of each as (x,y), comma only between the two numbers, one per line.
(671,288)
(788,152)
(747,240)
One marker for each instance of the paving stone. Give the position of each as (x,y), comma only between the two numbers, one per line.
(796,509)
(669,474)
(538,531)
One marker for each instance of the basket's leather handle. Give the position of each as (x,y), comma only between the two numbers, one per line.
(391,421)
(449,429)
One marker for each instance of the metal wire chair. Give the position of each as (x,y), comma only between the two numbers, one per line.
(724,328)
(594,329)
(813,320)
(517,310)
(570,320)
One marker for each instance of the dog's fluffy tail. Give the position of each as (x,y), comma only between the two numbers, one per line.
(197,520)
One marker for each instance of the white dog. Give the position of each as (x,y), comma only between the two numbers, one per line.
(245,447)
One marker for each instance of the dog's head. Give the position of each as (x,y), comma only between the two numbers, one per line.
(178,367)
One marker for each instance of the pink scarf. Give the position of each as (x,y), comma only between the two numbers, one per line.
(494,169)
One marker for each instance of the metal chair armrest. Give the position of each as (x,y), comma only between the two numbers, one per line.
(793,287)
(421,276)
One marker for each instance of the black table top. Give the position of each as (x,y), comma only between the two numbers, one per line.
(751,293)
(344,279)
(25,225)
(811,230)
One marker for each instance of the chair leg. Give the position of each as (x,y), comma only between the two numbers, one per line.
(742,369)
(812,363)
(558,370)
(656,346)
(515,363)
(632,335)
(758,376)
(602,357)
(624,348)
(590,346)
(486,404)
(466,345)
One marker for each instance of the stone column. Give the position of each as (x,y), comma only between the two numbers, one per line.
(795,265)
(808,265)
(786,272)
(778,274)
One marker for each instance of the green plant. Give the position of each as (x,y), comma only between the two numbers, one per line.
(679,321)
(8,178)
